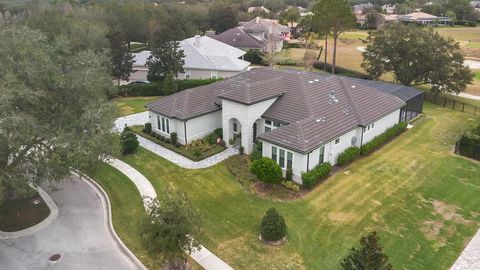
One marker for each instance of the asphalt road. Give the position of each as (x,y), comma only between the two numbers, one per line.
(78,234)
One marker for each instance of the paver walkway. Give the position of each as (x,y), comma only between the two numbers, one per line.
(203,257)
(141,118)
(470,257)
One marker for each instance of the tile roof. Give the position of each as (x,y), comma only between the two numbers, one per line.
(315,107)
(237,37)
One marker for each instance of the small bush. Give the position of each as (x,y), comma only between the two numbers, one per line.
(289,174)
(273,226)
(128,141)
(196,152)
(241,150)
(211,138)
(383,138)
(167,140)
(348,155)
(257,151)
(311,178)
(199,144)
(254,56)
(266,170)
(219,132)
(178,145)
(469,146)
(148,128)
(173,138)
(231,141)
(161,138)
(291,185)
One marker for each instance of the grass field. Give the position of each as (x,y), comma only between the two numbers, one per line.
(419,196)
(131,105)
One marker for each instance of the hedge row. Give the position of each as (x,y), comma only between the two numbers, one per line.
(311,178)
(156,88)
(466,23)
(469,146)
(348,155)
(383,138)
(342,71)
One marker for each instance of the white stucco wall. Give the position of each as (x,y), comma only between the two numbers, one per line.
(201,126)
(381,125)
(299,160)
(246,115)
(141,74)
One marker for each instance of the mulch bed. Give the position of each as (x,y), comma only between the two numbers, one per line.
(20,214)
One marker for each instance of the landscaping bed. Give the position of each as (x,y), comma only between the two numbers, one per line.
(180,149)
(22,213)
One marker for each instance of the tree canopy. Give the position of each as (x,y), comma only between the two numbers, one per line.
(54,114)
(222,17)
(417,56)
(370,256)
(120,56)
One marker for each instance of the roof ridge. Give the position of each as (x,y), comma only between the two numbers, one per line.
(347,93)
(306,96)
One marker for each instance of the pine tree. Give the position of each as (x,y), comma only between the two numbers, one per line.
(121,58)
(369,257)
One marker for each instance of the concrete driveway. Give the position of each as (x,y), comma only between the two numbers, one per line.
(79,234)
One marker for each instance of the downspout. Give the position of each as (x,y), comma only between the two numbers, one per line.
(185,130)
(308,161)
(361,138)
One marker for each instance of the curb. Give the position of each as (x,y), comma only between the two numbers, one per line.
(129,257)
(39,226)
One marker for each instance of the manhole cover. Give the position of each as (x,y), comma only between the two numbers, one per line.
(55,257)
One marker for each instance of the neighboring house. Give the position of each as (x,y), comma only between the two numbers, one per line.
(261,34)
(424,19)
(358,9)
(258,10)
(389,9)
(205,58)
(302,119)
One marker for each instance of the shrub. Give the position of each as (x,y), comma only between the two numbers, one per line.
(231,141)
(173,138)
(348,155)
(156,88)
(343,71)
(178,145)
(466,23)
(200,144)
(311,178)
(241,150)
(128,141)
(161,138)
(148,128)
(169,86)
(211,138)
(196,152)
(469,146)
(254,56)
(167,140)
(291,185)
(289,174)
(257,151)
(383,138)
(219,132)
(273,226)
(266,170)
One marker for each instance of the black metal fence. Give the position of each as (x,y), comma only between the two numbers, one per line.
(452,104)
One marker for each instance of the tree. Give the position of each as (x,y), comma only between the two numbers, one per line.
(373,19)
(171,228)
(121,58)
(222,16)
(273,227)
(267,170)
(169,86)
(369,257)
(334,16)
(417,56)
(166,55)
(128,141)
(55,117)
(290,16)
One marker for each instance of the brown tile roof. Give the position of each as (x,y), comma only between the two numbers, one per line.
(316,107)
(237,37)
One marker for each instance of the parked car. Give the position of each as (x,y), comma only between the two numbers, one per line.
(139,82)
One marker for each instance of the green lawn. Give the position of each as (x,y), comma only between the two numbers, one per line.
(131,105)
(422,199)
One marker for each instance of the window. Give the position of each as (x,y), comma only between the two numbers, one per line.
(159,127)
(213,74)
(163,124)
(337,141)
(271,125)
(235,127)
(369,127)
(188,74)
(281,161)
(274,153)
(289,160)
(321,156)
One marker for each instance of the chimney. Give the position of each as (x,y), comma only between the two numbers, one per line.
(197,41)
(257,19)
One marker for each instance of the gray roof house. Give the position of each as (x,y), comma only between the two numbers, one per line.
(301,118)
(262,34)
(205,58)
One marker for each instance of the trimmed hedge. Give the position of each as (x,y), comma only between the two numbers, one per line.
(320,172)
(348,155)
(266,170)
(469,146)
(466,23)
(343,71)
(254,57)
(155,88)
(383,138)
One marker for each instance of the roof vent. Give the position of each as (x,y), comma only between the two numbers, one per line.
(316,80)
(353,86)
(310,81)
(346,111)
(321,119)
(335,100)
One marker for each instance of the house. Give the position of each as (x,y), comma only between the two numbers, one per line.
(205,58)
(261,34)
(358,9)
(423,18)
(261,9)
(301,118)
(389,9)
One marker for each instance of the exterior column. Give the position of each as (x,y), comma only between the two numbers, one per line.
(247,137)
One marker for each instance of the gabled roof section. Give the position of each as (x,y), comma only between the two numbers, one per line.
(237,37)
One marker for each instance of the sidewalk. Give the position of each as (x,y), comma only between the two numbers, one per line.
(470,257)
(203,257)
